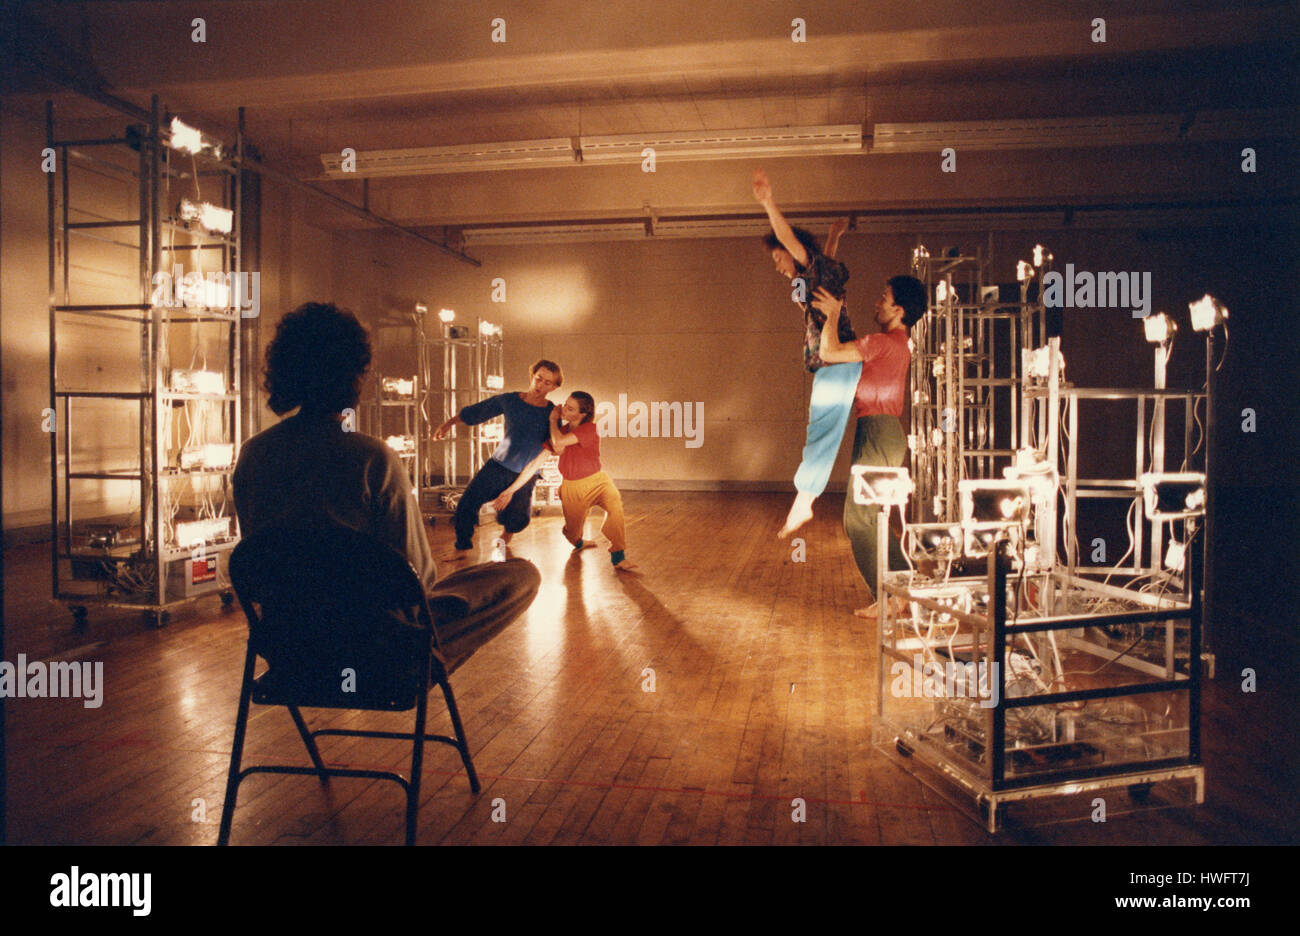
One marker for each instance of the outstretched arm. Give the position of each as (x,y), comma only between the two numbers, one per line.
(525,476)
(833,351)
(781,227)
(446,427)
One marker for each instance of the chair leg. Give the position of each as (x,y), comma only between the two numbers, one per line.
(417,767)
(309,741)
(237,750)
(461,743)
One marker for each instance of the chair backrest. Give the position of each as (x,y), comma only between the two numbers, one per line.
(340,617)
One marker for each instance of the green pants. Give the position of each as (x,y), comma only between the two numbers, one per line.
(878,441)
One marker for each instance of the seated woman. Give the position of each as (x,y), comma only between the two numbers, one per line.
(585,485)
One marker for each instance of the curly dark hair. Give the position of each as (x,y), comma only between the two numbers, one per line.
(316,360)
(805,237)
(910,294)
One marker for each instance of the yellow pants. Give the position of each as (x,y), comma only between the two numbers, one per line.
(578,497)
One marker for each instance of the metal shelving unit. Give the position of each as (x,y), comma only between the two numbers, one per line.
(135,285)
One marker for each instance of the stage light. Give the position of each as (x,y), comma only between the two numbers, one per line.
(1038,363)
(989,506)
(1206,313)
(933,540)
(1159,328)
(1024,271)
(399,386)
(494,381)
(919,253)
(1173,496)
(1041,476)
(187,139)
(1041,254)
(881,486)
(446,315)
(421,310)
(487,329)
(941,292)
(212,218)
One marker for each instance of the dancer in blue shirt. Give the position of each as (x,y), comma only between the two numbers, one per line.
(528,426)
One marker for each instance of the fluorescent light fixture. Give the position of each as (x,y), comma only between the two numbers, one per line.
(446,315)
(1173,496)
(723,144)
(881,486)
(1207,312)
(1158,328)
(466,157)
(1039,133)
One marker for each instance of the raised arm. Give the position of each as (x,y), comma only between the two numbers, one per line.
(780,227)
(833,238)
(833,351)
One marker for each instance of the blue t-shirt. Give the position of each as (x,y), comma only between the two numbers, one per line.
(527,427)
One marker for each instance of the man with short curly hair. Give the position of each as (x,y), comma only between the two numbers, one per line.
(309,469)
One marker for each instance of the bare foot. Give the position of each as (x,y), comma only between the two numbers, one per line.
(625,566)
(800,513)
(872,611)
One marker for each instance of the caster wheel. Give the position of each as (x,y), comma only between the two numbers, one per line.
(227,598)
(1140,792)
(157,619)
(78,616)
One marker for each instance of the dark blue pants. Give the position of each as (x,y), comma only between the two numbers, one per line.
(491,480)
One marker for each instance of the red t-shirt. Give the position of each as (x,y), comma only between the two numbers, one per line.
(882,388)
(583,459)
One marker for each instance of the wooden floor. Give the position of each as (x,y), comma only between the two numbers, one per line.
(762,693)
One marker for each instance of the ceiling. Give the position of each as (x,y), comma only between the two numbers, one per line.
(315,77)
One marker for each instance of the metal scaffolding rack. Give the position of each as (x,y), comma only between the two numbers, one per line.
(144,564)
(1096,669)
(472,370)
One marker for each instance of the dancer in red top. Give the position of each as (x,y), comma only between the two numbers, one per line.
(585,484)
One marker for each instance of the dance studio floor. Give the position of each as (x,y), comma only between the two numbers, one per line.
(763,690)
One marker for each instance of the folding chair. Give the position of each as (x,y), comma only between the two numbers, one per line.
(343,622)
